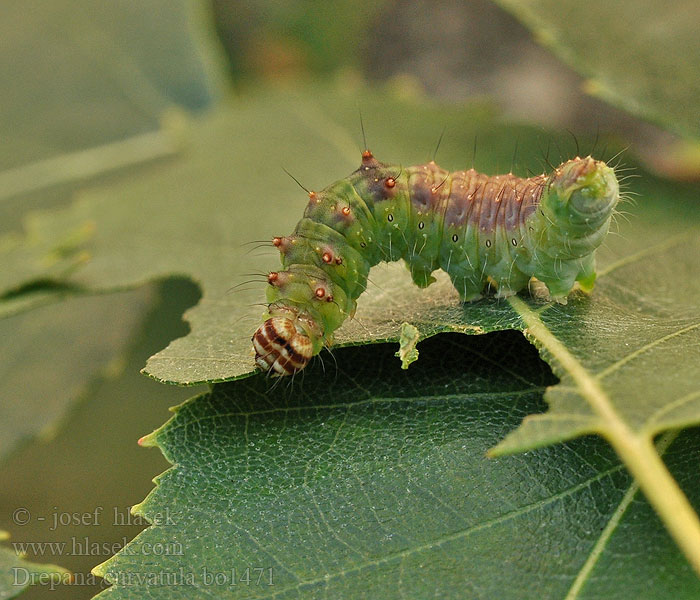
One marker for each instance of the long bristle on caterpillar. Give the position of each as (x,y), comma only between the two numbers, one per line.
(484,231)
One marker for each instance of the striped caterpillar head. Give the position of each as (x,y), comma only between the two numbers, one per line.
(280,347)
(582,194)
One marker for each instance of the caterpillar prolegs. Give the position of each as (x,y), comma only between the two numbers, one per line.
(482,230)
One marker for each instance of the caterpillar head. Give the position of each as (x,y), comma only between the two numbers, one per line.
(582,192)
(280,347)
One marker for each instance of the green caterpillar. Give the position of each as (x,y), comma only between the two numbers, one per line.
(482,230)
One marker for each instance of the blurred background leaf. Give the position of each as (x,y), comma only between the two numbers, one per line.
(92,462)
(91,83)
(91,88)
(16,574)
(639,55)
(57,350)
(82,74)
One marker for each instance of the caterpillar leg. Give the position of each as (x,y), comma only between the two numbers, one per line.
(558,288)
(559,277)
(469,288)
(560,285)
(587,275)
(511,286)
(421,276)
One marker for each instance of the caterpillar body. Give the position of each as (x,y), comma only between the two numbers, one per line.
(482,230)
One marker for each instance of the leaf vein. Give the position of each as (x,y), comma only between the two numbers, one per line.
(609,529)
(402,554)
(631,258)
(641,350)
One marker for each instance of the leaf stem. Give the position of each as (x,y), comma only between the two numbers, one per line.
(636,451)
(91,162)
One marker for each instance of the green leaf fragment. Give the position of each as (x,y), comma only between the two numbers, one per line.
(407,352)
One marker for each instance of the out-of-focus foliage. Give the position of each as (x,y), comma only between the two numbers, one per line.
(16,574)
(641,55)
(84,76)
(80,74)
(288,38)
(39,378)
(92,461)
(86,87)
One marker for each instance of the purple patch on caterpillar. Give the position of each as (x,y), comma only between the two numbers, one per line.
(425,187)
(488,201)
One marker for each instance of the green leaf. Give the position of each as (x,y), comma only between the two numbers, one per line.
(192,216)
(16,574)
(105,71)
(90,85)
(640,55)
(108,74)
(369,481)
(40,379)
